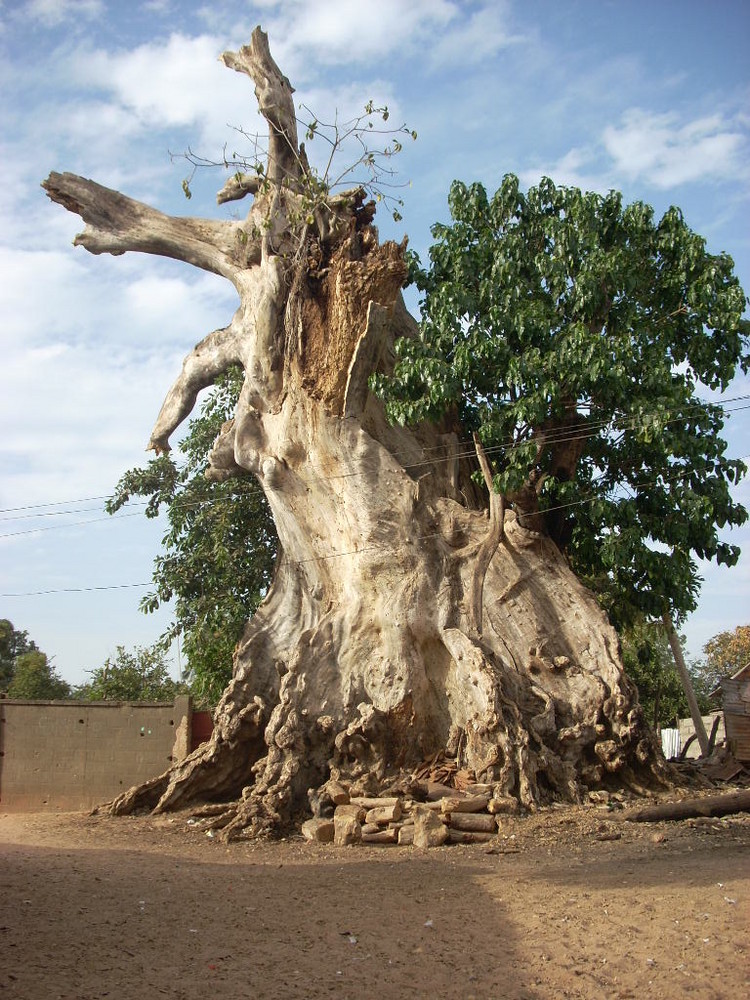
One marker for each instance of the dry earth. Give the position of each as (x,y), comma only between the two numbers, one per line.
(569,903)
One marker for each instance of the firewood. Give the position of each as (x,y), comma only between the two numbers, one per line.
(384,814)
(472,804)
(373,803)
(381,837)
(469,836)
(350,809)
(473,821)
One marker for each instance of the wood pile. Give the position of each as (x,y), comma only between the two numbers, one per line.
(439,815)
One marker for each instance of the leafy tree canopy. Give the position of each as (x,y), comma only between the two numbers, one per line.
(573,332)
(218,552)
(13,643)
(650,665)
(140,675)
(724,655)
(36,678)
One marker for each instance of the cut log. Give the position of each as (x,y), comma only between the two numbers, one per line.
(406,835)
(469,836)
(347,831)
(384,814)
(710,805)
(429,831)
(472,804)
(319,830)
(350,809)
(505,806)
(482,822)
(374,803)
(381,837)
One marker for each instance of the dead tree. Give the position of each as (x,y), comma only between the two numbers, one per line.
(409,614)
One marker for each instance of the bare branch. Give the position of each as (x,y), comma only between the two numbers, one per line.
(212,356)
(274,93)
(489,543)
(116,224)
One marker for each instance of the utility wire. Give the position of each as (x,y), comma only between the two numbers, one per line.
(582,431)
(337,555)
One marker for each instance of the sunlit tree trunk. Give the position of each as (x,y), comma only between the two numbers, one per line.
(409,614)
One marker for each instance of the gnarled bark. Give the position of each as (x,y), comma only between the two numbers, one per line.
(403,620)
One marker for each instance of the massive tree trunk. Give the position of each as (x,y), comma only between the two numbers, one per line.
(409,613)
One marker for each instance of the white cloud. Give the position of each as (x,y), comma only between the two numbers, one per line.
(339,32)
(54,12)
(471,39)
(574,169)
(661,150)
(344,32)
(657,150)
(177,83)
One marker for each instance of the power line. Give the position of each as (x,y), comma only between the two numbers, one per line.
(71,524)
(349,552)
(580,432)
(78,590)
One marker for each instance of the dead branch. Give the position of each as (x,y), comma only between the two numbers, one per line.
(711,805)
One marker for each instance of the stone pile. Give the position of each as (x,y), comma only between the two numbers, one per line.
(446,816)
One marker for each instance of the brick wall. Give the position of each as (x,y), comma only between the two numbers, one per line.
(63,755)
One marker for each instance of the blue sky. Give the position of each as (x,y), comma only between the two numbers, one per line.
(649,98)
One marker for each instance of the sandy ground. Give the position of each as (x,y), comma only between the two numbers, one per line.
(570,903)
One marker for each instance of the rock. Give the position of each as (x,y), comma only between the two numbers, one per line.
(481,822)
(429,831)
(471,804)
(319,830)
(384,814)
(347,830)
(370,828)
(503,804)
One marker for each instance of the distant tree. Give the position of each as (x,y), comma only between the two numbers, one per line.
(724,655)
(140,675)
(219,551)
(650,664)
(36,678)
(13,643)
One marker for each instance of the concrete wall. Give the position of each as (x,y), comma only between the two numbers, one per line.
(62,755)
(687,729)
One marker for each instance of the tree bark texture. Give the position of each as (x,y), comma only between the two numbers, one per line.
(409,613)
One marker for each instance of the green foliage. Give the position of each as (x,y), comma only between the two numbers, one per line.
(140,675)
(650,665)
(218,552)
(573,332)
(356,152)
(13,643)
(36,678)
(724,655)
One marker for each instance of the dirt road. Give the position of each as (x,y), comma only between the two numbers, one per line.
(570,903)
